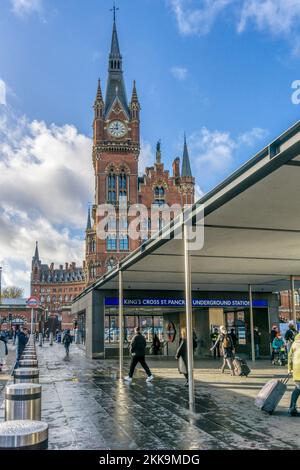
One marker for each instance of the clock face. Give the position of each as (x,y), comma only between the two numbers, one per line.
(117,129)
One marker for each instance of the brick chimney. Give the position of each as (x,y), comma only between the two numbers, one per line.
(67,266)
(51,266)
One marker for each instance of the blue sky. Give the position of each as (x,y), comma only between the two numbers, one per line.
(221,70)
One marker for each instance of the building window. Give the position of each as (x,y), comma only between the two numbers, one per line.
(123,223)
(42,299)
(124,243)
(66,298)
(159,196)
(48,299)
(111,187)
(111,243)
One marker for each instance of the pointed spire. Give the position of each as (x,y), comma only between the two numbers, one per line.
(89,223)
(158,152)
(115,48)
(186,167)
(36,254)
(134,98)
(99,97)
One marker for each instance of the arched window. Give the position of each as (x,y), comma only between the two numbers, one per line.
(159,196)
(111,187)
(48,299)
(122,186)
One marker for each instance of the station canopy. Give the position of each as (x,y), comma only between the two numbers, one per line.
(251,232)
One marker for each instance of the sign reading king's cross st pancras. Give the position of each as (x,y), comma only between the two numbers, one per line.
(32,302)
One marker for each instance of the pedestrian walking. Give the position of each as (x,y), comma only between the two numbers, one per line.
(226,343)
(214,336)
(257,336)
(195,342)
(234,338)
(3,350)
(138,352)
(290,336)
(67,340)
(155,345)
(22,340)
(294,369)
(181,356)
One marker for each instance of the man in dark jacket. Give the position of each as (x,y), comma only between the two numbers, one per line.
(138,352)
(67,340)
(22,341)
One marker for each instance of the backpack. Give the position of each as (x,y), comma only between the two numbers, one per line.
(226,342)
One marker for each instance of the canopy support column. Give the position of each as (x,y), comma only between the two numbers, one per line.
(189,313)
(293,305)
(121,324)
(251,324)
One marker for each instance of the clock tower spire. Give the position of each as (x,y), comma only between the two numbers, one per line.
(115,157)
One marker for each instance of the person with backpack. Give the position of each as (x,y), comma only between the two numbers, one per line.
(138,353)
(290,336)
(67,340)
(225,340)
(294,369)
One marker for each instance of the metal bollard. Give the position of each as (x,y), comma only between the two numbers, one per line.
(41,340)
(23,401)
(28,356)
(23,435)
(51,339)
(28,363)
(26,375)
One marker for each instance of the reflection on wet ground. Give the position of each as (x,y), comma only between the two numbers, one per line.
(88,407)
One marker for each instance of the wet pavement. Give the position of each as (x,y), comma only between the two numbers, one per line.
(88,407)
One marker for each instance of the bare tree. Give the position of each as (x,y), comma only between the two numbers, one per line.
(12,292)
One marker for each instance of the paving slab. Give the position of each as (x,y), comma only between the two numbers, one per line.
(88,407)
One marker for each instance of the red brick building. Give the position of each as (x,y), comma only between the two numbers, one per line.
(56,287)
(116,149)
(285,306)
(14,312)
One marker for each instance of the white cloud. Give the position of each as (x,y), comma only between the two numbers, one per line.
(194,20)
(213,153)
(180,73)
(25,7)
(275,17)
(2,93)
(46,180)
(146,157)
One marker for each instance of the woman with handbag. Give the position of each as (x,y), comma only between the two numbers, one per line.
(181,356)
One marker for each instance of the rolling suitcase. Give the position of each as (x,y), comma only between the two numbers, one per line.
(271,394)
(241,367)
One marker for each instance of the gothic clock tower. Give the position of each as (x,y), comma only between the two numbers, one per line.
(116,148)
